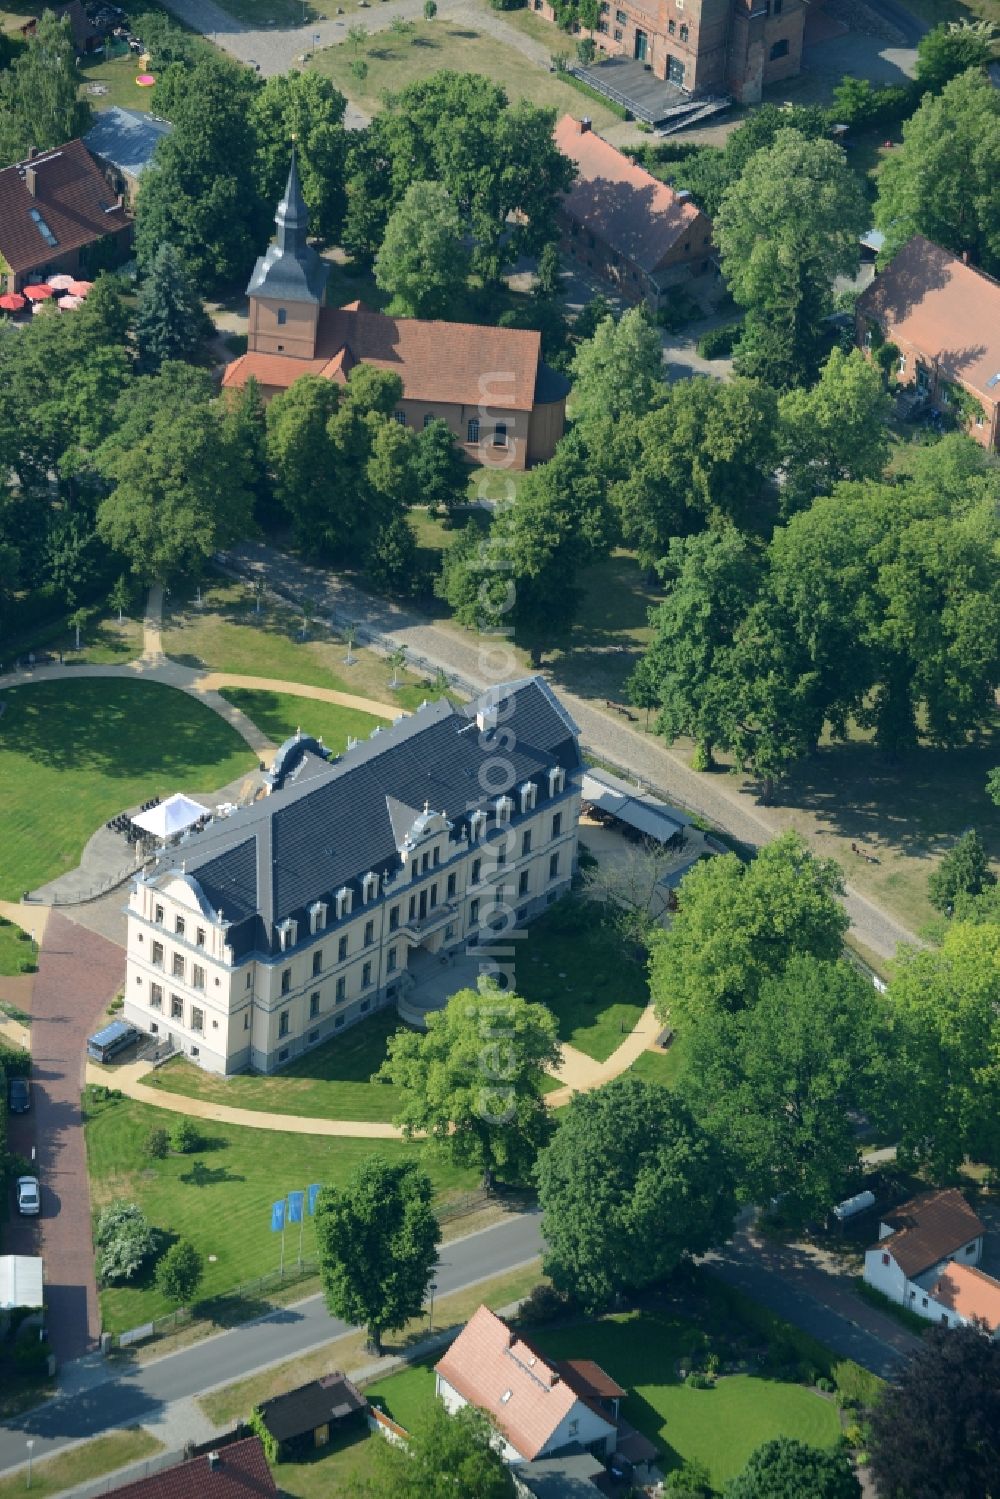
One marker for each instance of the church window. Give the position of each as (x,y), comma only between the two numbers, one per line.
(282,317)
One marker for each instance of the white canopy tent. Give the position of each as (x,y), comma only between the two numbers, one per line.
(168,819)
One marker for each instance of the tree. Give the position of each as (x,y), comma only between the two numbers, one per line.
(941,182)
(963,870)
(712,580)
(179,1272)
(392,558)
(547,281)
(176,495)
(124,1240)
(440,474)
(739,924)
(423,263)
(305,108)
(120,596)
(629,1186)
(950,49)
(171,320)
(781,1082)
(358,68)
(787,227)
(993,786)
(377,1237)
(787,1469)
(945,1006)
(691,1480)
(619,371)
(444,1455)
(430,9)
(836,430)
(301,455)
(245,423)
(200,193)
(935,1434)
(39,95)
(474,1081)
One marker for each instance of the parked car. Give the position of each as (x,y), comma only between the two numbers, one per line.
(19,1095)
(111,1040)
(29,1196)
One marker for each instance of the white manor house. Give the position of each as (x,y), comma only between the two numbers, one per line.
(269,931)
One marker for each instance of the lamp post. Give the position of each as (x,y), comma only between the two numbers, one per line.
(29,1444)
(433,1288)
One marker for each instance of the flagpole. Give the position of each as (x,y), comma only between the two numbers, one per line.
(302,1223)
(281,1270)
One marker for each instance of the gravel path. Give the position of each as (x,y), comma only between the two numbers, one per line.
(479,664)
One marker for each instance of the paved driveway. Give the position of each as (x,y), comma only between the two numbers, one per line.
(78,973)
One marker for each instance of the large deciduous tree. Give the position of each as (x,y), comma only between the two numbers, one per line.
(444,1455)
(950,49)
(305,108)
(837,429)
(39,93)
(629,1187)
(941,182)
(935,1434)
(787,227)
(619,371)
(474,1081)
(739,924)
(964,870)
(377,1237)
(423,263)
(440,474)
(788,1469)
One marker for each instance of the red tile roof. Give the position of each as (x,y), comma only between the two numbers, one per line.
(71,197)
(620,203)
(928,1228)
(589,1379)
(970,1293)
(946,309)
(241,1472)
(459,364)
(493,1368)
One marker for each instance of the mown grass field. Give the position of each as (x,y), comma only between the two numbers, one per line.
(280,715)
(331,1082)
(72,754)
(54,1475)
(220,1196)
(18,953)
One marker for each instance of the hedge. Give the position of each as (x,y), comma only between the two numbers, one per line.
(718,343)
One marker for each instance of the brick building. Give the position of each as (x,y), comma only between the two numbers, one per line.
(734,47)
(57,213)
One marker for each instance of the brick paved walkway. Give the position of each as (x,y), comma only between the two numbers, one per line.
(78,973)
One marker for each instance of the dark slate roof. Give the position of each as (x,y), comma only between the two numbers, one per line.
(550,386)
(330,823)
(331,1398)
(126,138)
(290,270)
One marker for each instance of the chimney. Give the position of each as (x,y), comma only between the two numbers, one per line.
(585,125)
(32,153)
(31,180)
(214,1460)
(965,257)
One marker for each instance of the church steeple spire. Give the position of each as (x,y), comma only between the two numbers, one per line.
(292,215)
(290,270)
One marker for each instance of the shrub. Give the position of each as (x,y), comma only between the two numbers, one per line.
(185,1136)
(700,1382)
(543,1304)
(179,1272)
(857,1386)
(157,1144)
(124,1239)
(718,343)
(826,1385)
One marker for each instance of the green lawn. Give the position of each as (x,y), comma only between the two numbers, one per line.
(117,76)
(280,715)
(330,1082)
(18,953)
(72,754)
(404,1395)
(105,642)
(720,1427)
(394,61)
(661,1067)
(329,1471)
(53,1475)
(220,1197)
(576,966)
(226,634)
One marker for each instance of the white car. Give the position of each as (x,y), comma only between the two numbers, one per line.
(29,1196)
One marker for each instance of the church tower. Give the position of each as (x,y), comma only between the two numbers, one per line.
(288,285)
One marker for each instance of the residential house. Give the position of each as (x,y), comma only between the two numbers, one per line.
(308,1416)
(943,316)
(703,47)
(926,1258)
(503,404)
(238,1470)
(621,222)
(57,213)
(123,141)
(550,1414)
(86,35)
(272,929)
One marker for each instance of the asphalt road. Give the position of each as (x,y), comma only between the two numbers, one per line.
(135,1395)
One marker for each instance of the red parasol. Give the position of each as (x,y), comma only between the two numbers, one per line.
(38,293)
(11,302)
(79,288)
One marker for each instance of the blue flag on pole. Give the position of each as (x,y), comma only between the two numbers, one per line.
(278,1216)
(295,1201)
(314,1192)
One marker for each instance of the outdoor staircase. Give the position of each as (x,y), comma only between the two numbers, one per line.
(683,115)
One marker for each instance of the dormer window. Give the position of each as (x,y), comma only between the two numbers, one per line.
(343,900)
(557,780)
(287,933)
(317,917)
(369,887)
(477,824)
(505,808)
(282,317)
(528,793)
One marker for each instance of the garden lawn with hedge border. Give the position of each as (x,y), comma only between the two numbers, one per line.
(219,1197)
(73,754)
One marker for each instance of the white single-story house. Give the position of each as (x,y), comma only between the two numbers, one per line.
(926,1259)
